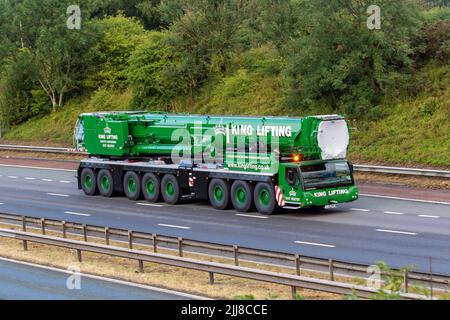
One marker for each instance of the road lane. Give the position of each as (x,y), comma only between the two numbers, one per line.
(19,281)
(352,233)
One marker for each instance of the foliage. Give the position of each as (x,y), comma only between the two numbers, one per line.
(414,130)
(253,57)
(244,297)
(121,37)
(205,36)
(352,296)
(392,282)
(60,55)
(17,80)
(342,63)
(433,42)
(57,127)
(153,73)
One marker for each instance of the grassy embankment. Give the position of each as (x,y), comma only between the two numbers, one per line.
(410,131)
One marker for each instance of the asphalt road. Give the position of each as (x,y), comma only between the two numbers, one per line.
(398,232)
(25,282)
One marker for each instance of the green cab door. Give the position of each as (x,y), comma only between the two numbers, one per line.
(290,183)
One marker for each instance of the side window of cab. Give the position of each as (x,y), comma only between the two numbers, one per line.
(292,176)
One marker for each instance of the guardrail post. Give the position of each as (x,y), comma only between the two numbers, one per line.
(180,247)
(155,242)
(297,264)
(24,229)
(24,224)
(211,278)
(43,226)
(63,225)
(130,239)
(331,268)
(141,266)
(107,235)
(294,292)
(84,232)
(405,281)
(78,255)
(236,255)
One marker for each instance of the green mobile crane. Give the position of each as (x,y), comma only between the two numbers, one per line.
(244,162)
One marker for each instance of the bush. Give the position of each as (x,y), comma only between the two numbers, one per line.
(433,42)
(121,36)
(153,74)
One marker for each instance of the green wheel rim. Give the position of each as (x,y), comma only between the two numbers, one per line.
(218,193)
(241,195)
(88,181)
(150,187)
(105,183)
(170,188)
(132,185)
(264,197)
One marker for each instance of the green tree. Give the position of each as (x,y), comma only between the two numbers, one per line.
(277,21)
(121,36)
(61,55)
(340,62)
(18,80)
(206,34)
(153,73)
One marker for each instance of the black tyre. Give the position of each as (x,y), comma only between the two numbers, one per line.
(151,186)
(170,189)
(264,197)
(219,194)
(105,183)
(132,185)
(242,196)
(89,182)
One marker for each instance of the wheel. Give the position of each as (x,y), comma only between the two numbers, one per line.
(242,196)
(89,182)
(264,197)
(219,194)
(151,187)
(132,185)
(105,183)
(170,189)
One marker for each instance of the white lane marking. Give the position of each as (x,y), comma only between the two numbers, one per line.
(47,180)
(357,209)
(405,199)
(65,181)
(316,244)
(150,205)
(77,214)
(173,226)
(395,231)
(29,178)
(38,168)
(13,177)
(1,203)
(428,216)
(57,194)
(251,216)
(394,213)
